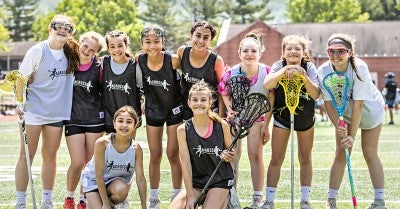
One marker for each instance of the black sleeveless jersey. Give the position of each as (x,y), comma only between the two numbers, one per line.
(162,89)
(87,108)
(304,117)
(391,86)
(119,90)
(191,75)
(205,155)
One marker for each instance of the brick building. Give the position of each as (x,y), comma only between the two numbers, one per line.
(377,43)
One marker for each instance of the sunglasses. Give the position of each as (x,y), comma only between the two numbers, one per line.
(340,52)
(62,25)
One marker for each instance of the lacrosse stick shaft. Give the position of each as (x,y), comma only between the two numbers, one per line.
(203,192)
(28,162)
(292,159)
(349,171)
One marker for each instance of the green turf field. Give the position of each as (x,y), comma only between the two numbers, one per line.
(323,153)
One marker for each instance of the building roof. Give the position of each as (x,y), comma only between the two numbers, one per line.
(379,38)
(18,49)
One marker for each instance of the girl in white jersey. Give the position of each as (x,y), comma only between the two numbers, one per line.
(107,178)
(364,110)
(50,65)
(250,51)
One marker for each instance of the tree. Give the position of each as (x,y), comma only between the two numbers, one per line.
(325,11)
(208,10)
(4,37)
(381,9)
(101,16)
(162,14)
(247,11)
(21,17)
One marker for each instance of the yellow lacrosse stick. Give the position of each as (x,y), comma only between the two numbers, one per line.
(18,83)
(292,88)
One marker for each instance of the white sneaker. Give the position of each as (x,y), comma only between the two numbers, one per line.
(155,203)
(268,205)
(47,204)
(331,204)
(377,204)
(123,205)
(305,205)
(20,205)
(257,202)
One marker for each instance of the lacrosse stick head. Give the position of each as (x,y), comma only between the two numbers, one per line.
(254,106)
(238,86)
(336,84)
(18,83)
(292,88)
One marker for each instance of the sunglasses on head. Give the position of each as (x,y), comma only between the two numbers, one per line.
(338,51)
(62,25)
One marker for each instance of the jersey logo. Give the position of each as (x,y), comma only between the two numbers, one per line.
(191,79)
(119,87)
(207,151)
(54,73)
(163,83)
(86,85)
(111,166)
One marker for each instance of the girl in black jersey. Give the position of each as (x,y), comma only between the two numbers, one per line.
(295,60)
(200,63)
(163,105)
(87,116)
(203,141)
(119,78)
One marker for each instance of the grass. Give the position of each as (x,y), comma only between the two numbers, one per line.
(323,153)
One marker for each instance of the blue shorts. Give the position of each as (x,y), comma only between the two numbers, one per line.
(390,103)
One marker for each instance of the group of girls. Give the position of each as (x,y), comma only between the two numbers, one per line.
(70,86)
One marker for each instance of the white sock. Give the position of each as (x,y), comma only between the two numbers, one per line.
(270,194)
(333,193)
(379,194)
(47,194)
(257,193)
(305,193)
(69,194)
(82,198)
(154,193)
(21,197)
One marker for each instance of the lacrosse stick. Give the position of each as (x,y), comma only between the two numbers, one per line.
(336,84)
(292,88)
(18,83)
(255,105)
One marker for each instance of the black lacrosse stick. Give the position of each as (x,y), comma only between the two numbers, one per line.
(238,86)
(255,105)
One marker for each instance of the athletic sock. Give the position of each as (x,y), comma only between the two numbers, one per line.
(154,194)
(333,193)
(305,193)
(82,198)
(21,197)
(270,194)
(69,194)
(47,194)
(379,194)
(257,193)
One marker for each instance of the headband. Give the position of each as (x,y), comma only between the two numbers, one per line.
(340,41)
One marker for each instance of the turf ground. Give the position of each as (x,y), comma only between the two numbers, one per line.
(323,153)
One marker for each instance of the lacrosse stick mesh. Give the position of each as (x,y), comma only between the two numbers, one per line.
(292,89)
(254,106)
(18,84)
(238,86)
(336,84)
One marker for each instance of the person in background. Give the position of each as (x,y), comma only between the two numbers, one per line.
(365,110)
(87,117)
(390,92)
(203,142)
(198,62)
(295,60)
(163,105)
(250,50)
(107,178)
(50,65)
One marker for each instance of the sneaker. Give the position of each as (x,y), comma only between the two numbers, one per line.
(20,206)
(331,204)
(257,202)
(305,205)
(123,205)
(81,205)
(391,123)
(268,205)
(155,203)
(377,204)
(47,204)
(69,203)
